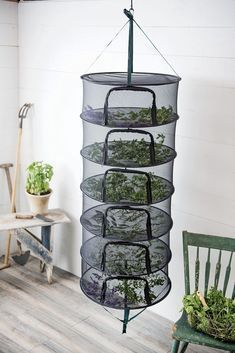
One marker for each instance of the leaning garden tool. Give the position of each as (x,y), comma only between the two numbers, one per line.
(6,167)
(22,115)
(24,257)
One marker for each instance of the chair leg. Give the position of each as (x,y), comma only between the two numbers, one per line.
(183,347)
(175,346)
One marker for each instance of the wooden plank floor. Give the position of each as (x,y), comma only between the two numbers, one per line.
(40,318)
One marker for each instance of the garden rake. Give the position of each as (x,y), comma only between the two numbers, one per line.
(12,189)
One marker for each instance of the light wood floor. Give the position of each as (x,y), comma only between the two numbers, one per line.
(40,318)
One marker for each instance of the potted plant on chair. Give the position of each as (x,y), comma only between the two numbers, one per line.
(38,190)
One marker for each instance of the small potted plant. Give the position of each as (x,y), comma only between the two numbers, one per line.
(38,190)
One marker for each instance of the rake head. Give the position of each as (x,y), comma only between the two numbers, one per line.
(23,112)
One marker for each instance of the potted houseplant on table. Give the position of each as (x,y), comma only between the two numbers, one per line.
(38,190)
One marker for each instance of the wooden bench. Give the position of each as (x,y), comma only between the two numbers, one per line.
(40,248)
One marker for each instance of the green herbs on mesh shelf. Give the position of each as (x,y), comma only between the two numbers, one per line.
(131,153)
(123,224)
(125,260)
(127,224)
(164,114)
(216,318)
(121,187)
(143,115)
(125,291)
(133,289)
(137,151)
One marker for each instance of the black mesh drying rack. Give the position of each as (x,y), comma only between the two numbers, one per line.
(129,121)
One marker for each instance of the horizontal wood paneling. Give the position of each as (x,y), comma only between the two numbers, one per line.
(202,42)
(8,13)
(8,34)
(156,13)
(9,77)
(207,112)
(9,57)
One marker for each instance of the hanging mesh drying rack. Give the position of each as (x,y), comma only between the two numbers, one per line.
(129,121)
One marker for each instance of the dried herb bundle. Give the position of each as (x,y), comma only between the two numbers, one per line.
(216,319)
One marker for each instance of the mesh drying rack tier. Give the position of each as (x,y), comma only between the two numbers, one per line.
(129,120)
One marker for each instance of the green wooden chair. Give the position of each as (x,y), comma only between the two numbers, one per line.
(183,334)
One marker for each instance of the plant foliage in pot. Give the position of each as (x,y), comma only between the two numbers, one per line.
(38,190)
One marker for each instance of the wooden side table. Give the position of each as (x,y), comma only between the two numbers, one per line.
(40,248)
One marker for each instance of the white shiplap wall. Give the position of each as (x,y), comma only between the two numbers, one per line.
(8,96)
(58,41)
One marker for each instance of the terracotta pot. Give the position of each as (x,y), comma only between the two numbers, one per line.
(38,203)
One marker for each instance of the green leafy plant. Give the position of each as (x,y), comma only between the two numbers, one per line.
(131,116)
(132,289)
(143,115)
(122,188)
(164,114)
(39,175)
(126,224)
(120,292)
(130,153)
(217,318)
(121,259)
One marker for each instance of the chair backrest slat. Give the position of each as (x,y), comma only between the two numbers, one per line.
(210,242)
(227,274)
(207,271)
(217,270)
(197,270)
(186,265)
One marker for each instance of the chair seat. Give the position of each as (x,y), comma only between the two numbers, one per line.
(184,332)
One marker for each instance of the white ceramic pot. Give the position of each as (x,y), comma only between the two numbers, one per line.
(38,203)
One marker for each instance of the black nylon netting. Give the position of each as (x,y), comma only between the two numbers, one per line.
(128,152)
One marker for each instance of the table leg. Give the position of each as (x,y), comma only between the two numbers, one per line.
(46,241)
